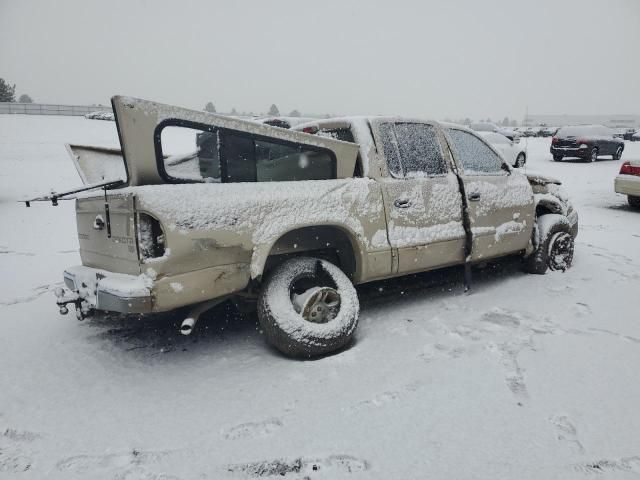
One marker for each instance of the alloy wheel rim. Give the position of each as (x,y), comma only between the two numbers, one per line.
(560,251)
(317,304)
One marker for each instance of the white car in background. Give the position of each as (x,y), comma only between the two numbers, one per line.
(511,150)
(628,182)
(508,132)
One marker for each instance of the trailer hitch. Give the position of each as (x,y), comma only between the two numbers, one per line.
(64,298)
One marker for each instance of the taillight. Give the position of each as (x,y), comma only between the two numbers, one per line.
(628,169)
(312,130)
(554,139)
(150,237)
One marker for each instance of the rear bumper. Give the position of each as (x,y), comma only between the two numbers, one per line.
(96,289)
(627,185)
(571,152)
(114,292)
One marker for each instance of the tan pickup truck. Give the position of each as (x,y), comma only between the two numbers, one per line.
(197,208)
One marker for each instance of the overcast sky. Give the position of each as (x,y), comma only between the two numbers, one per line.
(435,59)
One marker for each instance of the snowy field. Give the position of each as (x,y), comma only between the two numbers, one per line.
(527,377)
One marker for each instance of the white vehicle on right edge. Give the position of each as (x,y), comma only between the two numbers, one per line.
(511,150)
(628,182)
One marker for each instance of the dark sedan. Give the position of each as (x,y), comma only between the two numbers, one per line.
(587,142)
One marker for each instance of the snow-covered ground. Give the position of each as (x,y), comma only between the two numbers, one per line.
(528,377)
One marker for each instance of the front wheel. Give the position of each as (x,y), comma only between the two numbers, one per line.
(557,158)
(555,245)
(593,156)
(520,160)
(308,307)
(633,201)
(618,154)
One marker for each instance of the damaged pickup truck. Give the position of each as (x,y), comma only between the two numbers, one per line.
(197,208)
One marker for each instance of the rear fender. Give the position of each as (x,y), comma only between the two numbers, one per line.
(262,252)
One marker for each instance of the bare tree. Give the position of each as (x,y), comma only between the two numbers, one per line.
(209,107)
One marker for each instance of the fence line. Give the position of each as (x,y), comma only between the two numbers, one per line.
(49,109)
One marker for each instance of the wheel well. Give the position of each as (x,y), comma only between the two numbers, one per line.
(330,243)
(542,210)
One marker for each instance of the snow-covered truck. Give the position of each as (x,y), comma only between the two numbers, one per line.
(197,208)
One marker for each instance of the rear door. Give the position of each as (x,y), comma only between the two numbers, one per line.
(422,198)
(500,200)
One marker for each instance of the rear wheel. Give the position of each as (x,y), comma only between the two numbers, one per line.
(593,156)
(308,307)
(555,245)
(520,160)
(618,154)
(557,158)
(633,201)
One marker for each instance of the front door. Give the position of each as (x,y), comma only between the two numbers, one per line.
(500,200)
(422,198)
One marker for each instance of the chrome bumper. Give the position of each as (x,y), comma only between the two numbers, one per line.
(95,289)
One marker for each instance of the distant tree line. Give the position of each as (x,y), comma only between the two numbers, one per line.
(506,122)
(273,111)
(8,93)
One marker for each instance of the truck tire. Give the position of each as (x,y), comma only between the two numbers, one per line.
(308,307)
(633,201)
(555,245)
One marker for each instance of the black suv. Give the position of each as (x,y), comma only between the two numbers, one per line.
(587,142)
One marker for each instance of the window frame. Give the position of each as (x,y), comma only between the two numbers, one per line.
(204,127)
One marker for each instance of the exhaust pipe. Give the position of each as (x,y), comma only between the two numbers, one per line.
(189,323)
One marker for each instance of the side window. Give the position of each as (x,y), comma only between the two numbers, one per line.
(476,157)
(420,150)
(391,152)
(277,162)
(188,154)
(412,149)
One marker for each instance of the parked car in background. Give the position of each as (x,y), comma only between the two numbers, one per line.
(635,137)
(628,182)
(511,150)
(628,134)
(290,221)
(492,127)
(282,122)
(100,115)
(587,142)
(531,131)
(547,131)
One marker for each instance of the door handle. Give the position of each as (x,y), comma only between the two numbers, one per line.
(402,203)
(474,196)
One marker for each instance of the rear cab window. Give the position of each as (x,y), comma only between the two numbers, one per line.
(199,153)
